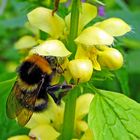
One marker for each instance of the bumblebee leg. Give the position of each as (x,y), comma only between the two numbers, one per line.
(60,89)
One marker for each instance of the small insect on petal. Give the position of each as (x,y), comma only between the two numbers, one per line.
(114,26)
(51,48)
(81,69)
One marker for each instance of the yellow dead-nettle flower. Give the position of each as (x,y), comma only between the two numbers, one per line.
(44,132)
(82,109)
(81,69)
(87,13)
(110,58)
(88,53)
(26,42)
(114,26)
(102,33)
(92,39)
(94,36)
(42,19)
(51,48)
(56,26)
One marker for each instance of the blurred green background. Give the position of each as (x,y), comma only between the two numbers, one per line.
(12,20)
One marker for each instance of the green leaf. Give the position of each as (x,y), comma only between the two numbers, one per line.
(113,116)
(8,127)
(122,76)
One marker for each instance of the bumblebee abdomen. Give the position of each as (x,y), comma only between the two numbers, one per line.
(30,73)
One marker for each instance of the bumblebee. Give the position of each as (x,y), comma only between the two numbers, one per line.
(31,89)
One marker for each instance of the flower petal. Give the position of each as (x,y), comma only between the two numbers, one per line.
(21,137)
(25,42)
(42,18)
(81,69)
(94,36)
(51,48)
(81,126)
(96,64)
(88,135)
(81,53)
(44,132)
(93,56)
(114,26)
(83,104)
(110,58)
(33,29)
(87,13)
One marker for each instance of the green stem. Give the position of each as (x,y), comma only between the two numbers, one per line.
(74,26)
(69,114)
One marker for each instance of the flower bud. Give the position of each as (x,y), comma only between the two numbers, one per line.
(81,69)
(110,58)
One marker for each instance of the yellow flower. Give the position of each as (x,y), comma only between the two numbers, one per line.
(81,69)
(44,132)
(114,26)
(26,42)
(110,58)
(56,26)
(82,109)
(92,39)
(51,48)
(102,33)
(42,19)
(87,13)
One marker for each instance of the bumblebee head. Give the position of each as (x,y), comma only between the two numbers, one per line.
(54,61)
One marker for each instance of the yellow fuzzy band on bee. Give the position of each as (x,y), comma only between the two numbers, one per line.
(25,86)
(40,62)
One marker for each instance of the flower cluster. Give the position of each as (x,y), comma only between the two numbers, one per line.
(93,43)
(47,125)
(93,52)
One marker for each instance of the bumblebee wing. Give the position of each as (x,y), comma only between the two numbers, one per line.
(12,102)
(21,103)
(24,108)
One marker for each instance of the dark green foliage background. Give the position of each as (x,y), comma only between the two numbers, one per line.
(126,80)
